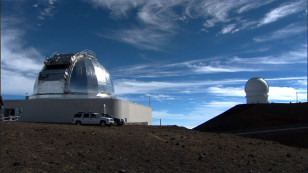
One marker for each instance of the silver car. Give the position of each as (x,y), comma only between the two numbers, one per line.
(92,118)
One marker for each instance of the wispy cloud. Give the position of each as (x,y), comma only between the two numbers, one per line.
(20,64)
(146,38)
(158,21)
(160,97)
(46,8)
(119,8)
(227,91)
(164,114)
(284,10)
(253,5)
(202,69)
(186,68)
(124,86)
(302,78)
(297,56)
(212,65)
(288,31)
(229,28)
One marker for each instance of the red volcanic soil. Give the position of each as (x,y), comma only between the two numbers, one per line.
(263,117)
(34,147)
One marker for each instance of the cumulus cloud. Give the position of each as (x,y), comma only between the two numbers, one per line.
(282,94)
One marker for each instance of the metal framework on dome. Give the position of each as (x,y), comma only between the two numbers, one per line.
(90,78)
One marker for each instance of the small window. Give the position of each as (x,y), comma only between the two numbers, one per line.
(77,115)
(86,116)
(92,116)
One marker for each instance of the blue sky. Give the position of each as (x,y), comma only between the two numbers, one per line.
(191,57)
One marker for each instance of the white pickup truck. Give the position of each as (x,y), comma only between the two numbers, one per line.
(92,118)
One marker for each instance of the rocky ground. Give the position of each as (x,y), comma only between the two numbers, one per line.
(34,147)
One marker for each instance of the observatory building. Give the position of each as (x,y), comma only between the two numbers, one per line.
(71,83)
(256,90)
(76,75)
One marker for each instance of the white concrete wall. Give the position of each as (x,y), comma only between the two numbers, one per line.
(255,99)
(63,110)
(134,111)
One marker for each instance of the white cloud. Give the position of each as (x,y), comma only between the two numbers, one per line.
(119,8)
(229,28)
(219,69)
(186,68)
(301,79)
(16,83)
(147,38)
(46,8)
(282,94)
(125,86)
(288,31)
(159,20)
(213,65)
(284,10)
(164,114)
(20,64)
(160,97)
(297,56)
(197,115)
(227,91)
(253,5)
(218,104)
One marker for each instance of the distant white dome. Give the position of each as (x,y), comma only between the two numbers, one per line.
(256,90)
(256,84)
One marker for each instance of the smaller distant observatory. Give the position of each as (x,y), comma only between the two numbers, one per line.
(256,90)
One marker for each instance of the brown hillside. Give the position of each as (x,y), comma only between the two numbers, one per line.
(257,116)
(34,147)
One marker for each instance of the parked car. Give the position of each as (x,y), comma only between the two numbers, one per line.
(117,121)
(92,118)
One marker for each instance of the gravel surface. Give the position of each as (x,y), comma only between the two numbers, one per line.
(34,147)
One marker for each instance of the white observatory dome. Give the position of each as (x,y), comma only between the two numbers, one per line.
(256,90)
(74,75)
